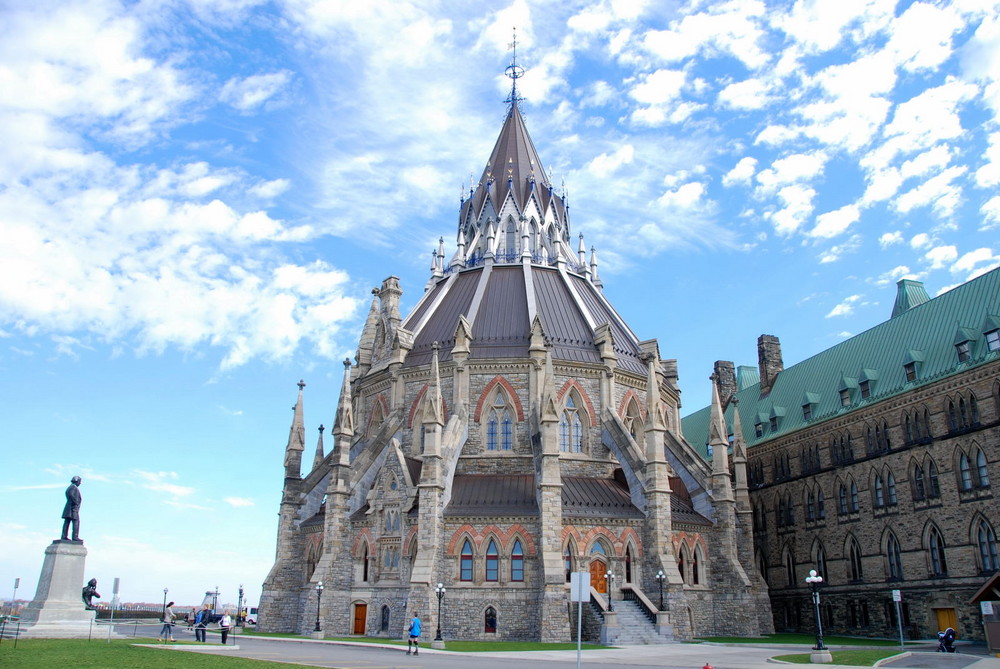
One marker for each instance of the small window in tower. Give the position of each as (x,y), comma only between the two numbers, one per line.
(964,351)
(773,424)
(866,389)
(910,370)
(759,429)
(807,411)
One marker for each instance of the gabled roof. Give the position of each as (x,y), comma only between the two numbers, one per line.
(924,335)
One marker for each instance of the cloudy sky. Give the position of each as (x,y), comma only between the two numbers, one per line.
(196,198)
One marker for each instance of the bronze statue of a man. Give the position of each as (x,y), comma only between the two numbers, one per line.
(89,592)
(71,512)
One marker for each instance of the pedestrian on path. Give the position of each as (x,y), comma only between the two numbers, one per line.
(167,631)
(201,622)
(224,626)
(414,640)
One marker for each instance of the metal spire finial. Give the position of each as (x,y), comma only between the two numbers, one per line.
(513,72)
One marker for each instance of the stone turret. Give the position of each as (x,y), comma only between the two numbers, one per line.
(296,440)
(769,361)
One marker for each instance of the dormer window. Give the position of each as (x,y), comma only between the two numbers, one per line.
(758,429)
(807,411)
(866,389)
(910,370)
(911,364)
(845,397)
(964,342)
(993,340)
(774,423)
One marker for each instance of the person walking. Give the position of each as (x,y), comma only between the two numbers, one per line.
(167,631)
(414,640)
(201,622)
(224,626)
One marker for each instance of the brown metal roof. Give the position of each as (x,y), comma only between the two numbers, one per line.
(626,347)
(681,511)
(564,324)
(440,327)
(492,495)
(501,329)
(596,498)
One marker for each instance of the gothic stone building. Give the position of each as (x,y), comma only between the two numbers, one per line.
(874,462)
(509,431)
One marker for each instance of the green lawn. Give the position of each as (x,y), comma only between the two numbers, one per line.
(120,653)
(458,646)
(803,640)
(853,658)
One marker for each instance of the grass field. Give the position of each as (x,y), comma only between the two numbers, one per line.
(851,658)
(119,654)
(804,640)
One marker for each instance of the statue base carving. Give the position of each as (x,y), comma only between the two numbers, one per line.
(57,610)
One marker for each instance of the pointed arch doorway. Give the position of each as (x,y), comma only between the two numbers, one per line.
(597,581)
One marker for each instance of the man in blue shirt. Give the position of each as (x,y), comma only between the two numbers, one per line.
(414,640)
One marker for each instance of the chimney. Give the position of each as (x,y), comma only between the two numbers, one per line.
(725,381)
(768,361)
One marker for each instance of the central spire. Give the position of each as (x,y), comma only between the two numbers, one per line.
(514,72)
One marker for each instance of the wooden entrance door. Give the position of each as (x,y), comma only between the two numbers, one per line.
(597,580)
(360,615)
(946,618)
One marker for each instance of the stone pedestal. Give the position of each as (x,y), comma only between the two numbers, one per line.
(820,656)
(439,645)
(663,626)
(57,611)
(319,636)
(610,630)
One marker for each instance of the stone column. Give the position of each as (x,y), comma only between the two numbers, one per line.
(57,611)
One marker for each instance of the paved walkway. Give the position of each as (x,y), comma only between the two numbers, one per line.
(353,655)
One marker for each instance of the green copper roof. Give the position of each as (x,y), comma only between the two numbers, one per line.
(910,294)
(924,335)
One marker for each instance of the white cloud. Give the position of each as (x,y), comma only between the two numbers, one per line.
(975,262)
(921,240)
(941,256)
(685,197)
(792,169)
(820,25)
(160,482)
(845,308)
(270,189)
(748,94)
(797,201)
(991,213)
(733,27)
(894,275)
(742,172)
(251,92)
(921,36)
(835,253)
(989,174)
(606,165)
(238,502)
(890,239)
(937,192)
(835,222)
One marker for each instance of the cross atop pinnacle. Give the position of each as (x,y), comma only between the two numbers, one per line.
(513,72)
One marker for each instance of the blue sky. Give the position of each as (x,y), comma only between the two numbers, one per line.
(197,197)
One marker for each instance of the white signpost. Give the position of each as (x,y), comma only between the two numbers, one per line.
(579,592)
(897,596)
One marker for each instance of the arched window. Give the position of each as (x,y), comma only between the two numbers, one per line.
(492,562)
(499,427)
(964,472)
(517,562)
(681,563)
(854,497)
(789,511)
(789,565)
(570,428)
(894,558)
(597,549)
(810,507)
(628,564)
(918,483)
(855,568)
(568,558)
(781,513)
(364,565)
(466,561)
(820,505)
(490,620)
(935,546)
(963,414)
(821,563)
(842,499)
(982,471)
(952,417)
(879,493)
(934,487)
(986,540)
(762,566)
(974,410)
(633,420)
(697,564)
(890,489)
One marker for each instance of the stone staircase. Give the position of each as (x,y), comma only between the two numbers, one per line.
(634,628)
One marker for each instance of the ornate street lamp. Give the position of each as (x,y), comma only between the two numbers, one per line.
(659,580)
(610,578)
(814,581)
(439,591)
(164,612)
(239,608)
(215,600)
(319,597)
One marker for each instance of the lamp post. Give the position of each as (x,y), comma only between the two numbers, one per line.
(239,608)
(215,599)
(814,581)
(439,591)
(659,580)
(319,597)
(610,578)
(164,612)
